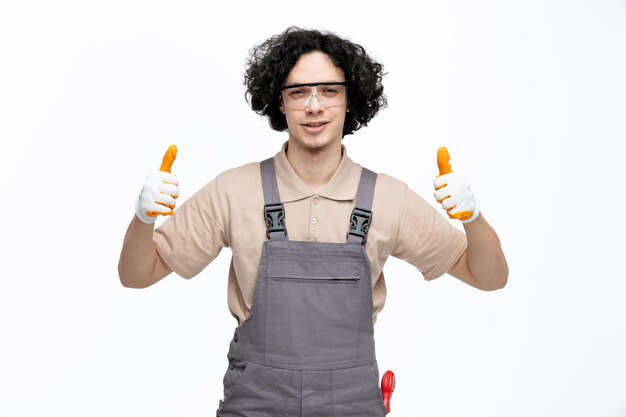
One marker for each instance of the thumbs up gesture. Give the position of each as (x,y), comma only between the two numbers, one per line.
(453,192)
(159,192)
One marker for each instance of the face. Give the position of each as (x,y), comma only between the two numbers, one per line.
(315,127)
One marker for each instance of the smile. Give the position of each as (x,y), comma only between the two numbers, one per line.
(314,124)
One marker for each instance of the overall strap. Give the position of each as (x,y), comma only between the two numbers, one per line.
(274,210)
(362,213)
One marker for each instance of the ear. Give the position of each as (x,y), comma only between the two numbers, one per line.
(282,105)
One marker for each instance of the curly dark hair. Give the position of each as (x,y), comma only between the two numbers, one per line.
(270,62)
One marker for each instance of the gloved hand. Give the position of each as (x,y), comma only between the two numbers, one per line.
(452,191)
(159,192)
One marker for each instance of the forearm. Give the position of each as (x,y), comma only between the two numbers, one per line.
(137,266)
(485,260)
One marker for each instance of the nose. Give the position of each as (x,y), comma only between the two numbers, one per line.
(314,106)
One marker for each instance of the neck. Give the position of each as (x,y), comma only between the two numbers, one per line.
(315,167)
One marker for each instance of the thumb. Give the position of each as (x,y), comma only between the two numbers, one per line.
(443,161)
(168,159)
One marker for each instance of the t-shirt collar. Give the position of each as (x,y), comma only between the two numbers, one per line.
(342,185)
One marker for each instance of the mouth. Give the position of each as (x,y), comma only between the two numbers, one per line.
(314,127)
(314,124)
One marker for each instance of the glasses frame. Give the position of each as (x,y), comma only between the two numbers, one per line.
(307,102)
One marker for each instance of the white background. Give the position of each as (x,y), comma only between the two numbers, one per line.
(529,97)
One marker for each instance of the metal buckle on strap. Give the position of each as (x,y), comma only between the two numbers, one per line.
(360,223)
(275,219)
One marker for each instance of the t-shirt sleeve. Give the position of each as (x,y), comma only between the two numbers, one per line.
(427,239)
(191,238)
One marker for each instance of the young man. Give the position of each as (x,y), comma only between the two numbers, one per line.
(310,231)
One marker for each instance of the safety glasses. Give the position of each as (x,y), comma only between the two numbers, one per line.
(327,94)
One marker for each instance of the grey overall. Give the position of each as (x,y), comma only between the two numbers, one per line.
(307,347)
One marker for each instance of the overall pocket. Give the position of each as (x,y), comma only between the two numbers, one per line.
(313,320)
(234,373)
(263,391)
(356,392)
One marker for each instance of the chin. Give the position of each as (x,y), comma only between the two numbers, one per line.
(316,144)
(316,141)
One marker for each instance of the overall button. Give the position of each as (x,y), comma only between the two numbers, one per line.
(231,366)
(314,220)
(236,338)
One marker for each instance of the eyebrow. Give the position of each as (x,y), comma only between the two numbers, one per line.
(344,83)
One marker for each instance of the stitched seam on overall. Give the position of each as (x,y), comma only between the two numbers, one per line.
(298,368)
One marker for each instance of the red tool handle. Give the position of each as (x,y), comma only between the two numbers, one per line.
(387,385)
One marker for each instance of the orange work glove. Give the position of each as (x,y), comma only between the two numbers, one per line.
(452,191)
(159,192)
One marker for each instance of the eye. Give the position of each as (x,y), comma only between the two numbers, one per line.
(297,92)
(330,91)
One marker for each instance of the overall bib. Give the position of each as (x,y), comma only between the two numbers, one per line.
(307,347)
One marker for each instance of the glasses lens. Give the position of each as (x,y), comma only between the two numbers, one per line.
(302,97)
